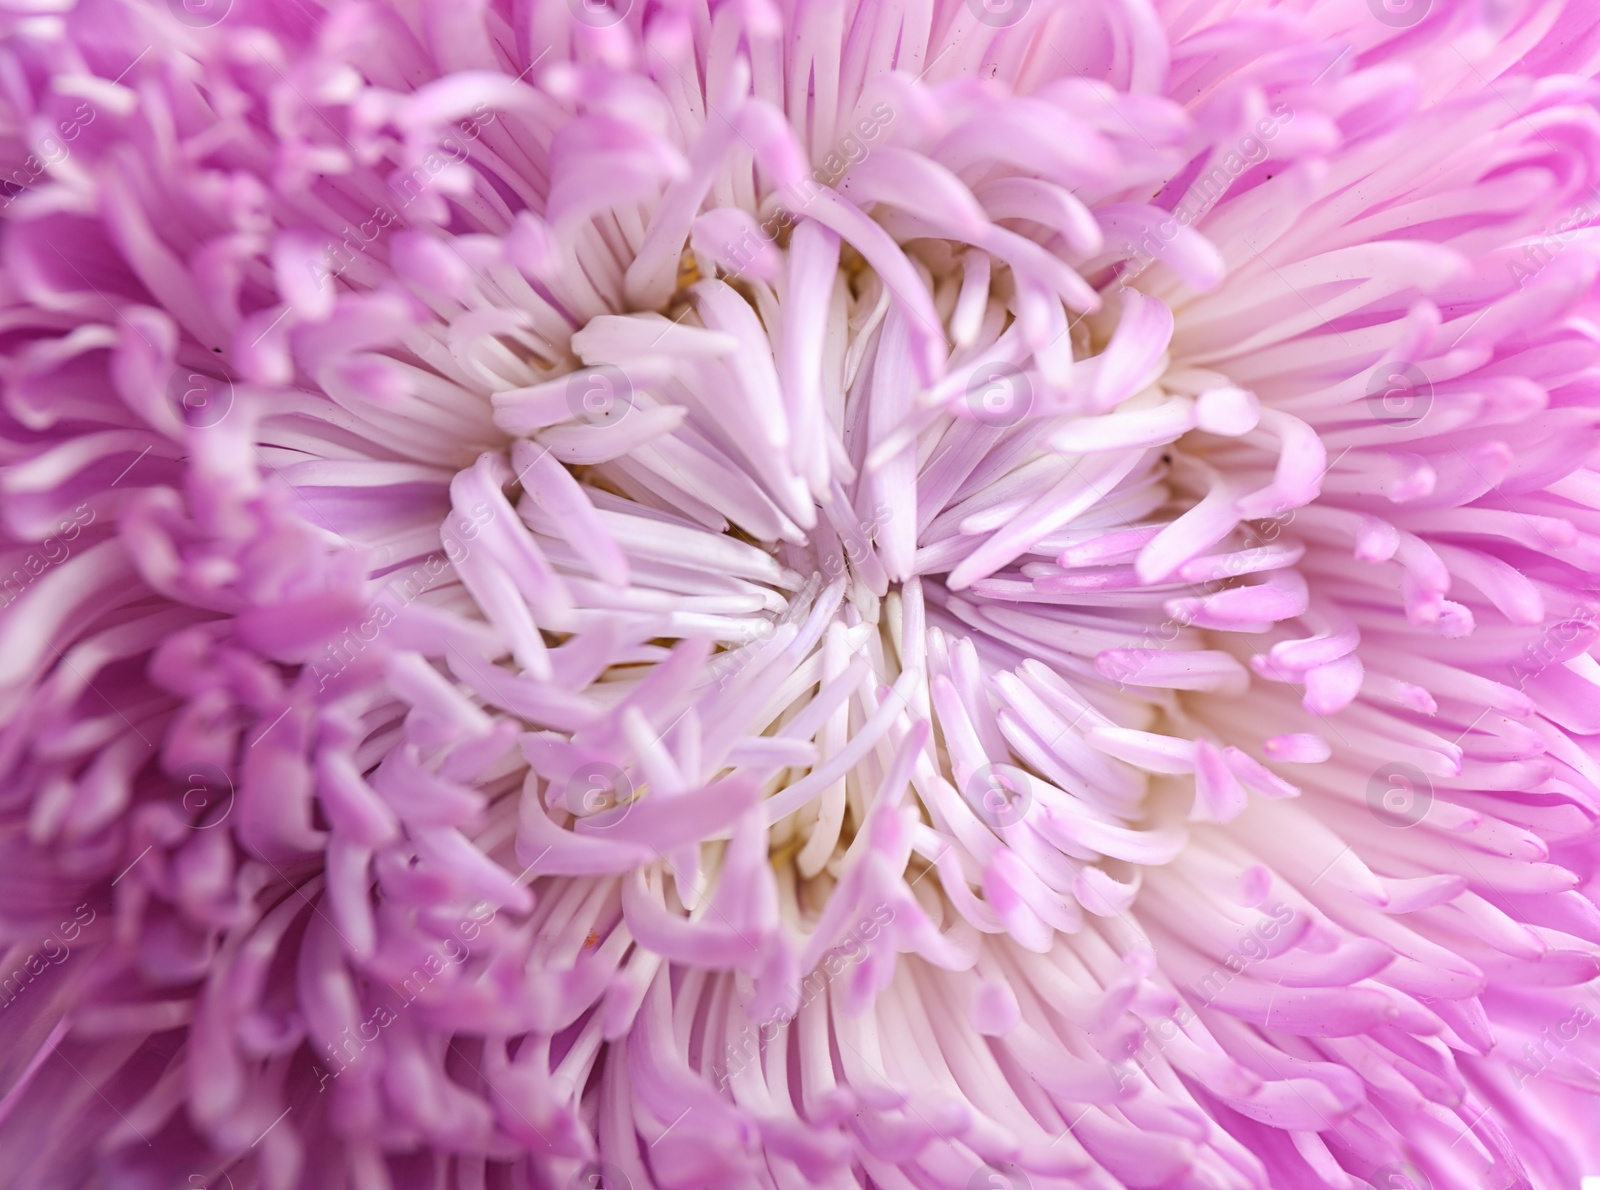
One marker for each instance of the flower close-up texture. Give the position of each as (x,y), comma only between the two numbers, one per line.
(764,594)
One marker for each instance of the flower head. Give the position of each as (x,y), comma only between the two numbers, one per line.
(850,594)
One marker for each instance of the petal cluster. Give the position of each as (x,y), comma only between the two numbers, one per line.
(778,594)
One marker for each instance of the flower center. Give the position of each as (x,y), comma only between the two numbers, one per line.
(803,490)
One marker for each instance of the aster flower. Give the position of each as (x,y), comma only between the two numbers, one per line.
(798,594)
